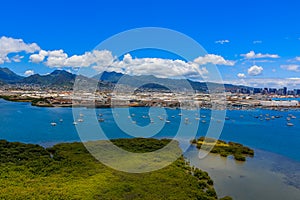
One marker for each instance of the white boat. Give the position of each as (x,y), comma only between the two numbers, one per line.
(61,120)
(203,116)
(75,123)
(53,124)
(80,120)
(100,120)
(227,118)
(167,121)
(293,117)
(81,115)
(180,114)
(203,121)
(290,124)
(134,122)
(197,118)
(288,118)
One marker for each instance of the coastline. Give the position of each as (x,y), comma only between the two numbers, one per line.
(43,102)
(265,176)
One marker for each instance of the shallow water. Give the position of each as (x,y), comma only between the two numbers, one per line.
(265,176)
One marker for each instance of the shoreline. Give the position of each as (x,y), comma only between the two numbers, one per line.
(42,103)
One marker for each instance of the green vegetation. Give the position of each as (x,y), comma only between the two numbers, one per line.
(238,151)
(42,102)
(68,171)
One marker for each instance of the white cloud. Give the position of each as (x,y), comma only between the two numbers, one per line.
(252,55)
(214,59)
(241,75)
(10,45)
(295,68)
(37,58)
(58,58)
(257,42)
(158,67)
(255,70)
(17,58)
(297,58)
(222,41)
(28,72)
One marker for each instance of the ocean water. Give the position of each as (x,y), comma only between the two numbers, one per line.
(276,164)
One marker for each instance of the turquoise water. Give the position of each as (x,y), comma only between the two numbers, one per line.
(273,173)
(25,123)
(285,99)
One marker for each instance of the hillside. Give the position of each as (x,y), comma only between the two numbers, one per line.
(8,76)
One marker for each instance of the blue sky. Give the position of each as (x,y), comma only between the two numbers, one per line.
(268,28)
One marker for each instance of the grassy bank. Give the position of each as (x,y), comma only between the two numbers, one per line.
(238,151)
(68,171)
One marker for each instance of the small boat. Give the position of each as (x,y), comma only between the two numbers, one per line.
(197,118)
(288,118)
(227,118)
(203,121)
(180,114)
(100,114)
(290,124)
(186,120)
(273,117)
(80,120)
(75,123)
(293,117)
(134,122)
(151,121)
(267,118)
(203,116)
(241,116)
(167,121)
(53,124)
(61,120)
(144,117)
(132,114)
(173,116)
(100,120)
(81,115)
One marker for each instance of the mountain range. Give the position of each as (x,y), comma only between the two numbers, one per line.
(64,79)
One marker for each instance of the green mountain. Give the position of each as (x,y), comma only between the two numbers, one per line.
(151,82)
(56,78)
(8,76)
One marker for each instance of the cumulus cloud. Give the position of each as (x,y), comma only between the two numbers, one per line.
(241,75)
(257,42)
(28,72)
(255,70)
(17,58)
(297,58)
(295,68)
(252,55)
(10,45)
(222,41)
(214,59)
(37,58)
(58,58)
(158,67)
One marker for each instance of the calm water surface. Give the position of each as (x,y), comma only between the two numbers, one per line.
(273,170)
